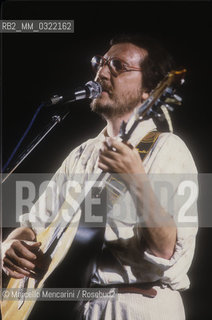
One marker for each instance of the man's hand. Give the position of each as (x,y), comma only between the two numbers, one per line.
(19,258)
(21,254)
(118,157)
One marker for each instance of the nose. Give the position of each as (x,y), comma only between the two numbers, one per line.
(103,73)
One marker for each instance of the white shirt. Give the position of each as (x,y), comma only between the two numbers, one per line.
(123,235)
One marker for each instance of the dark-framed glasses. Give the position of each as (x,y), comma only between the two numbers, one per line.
(115,65)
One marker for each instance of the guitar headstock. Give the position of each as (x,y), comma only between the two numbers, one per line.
(165,92)
(174,77)
(163,95)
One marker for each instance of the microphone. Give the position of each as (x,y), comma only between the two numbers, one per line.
(90,90)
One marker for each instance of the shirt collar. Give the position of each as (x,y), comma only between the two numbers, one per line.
(140,131)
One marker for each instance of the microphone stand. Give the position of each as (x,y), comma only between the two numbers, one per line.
(91,90)
(55,119)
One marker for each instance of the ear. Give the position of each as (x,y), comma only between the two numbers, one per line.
(145,95)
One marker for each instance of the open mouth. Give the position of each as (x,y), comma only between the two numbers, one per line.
(105,91)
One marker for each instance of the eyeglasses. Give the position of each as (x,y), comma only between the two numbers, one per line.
(115,65)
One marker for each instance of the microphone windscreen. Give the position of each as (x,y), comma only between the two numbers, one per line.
(94,89)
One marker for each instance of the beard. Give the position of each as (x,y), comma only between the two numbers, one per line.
(110,105)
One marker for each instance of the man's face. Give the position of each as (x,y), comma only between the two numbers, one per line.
(122,93)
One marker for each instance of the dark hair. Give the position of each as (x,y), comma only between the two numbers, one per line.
(157,63)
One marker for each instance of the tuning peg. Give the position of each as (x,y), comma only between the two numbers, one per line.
(177,98)
(174,99)
(170,108)
(168,91)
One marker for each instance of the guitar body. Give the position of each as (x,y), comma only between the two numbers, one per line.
(77,250)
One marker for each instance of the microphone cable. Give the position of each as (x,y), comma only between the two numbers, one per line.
(23,137)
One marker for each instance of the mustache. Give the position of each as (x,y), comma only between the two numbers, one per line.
(105,86)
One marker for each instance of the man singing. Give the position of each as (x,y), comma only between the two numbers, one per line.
(146,261)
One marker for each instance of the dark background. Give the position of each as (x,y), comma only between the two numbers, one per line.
(35,66)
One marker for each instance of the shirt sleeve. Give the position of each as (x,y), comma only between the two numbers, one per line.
(173,166)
